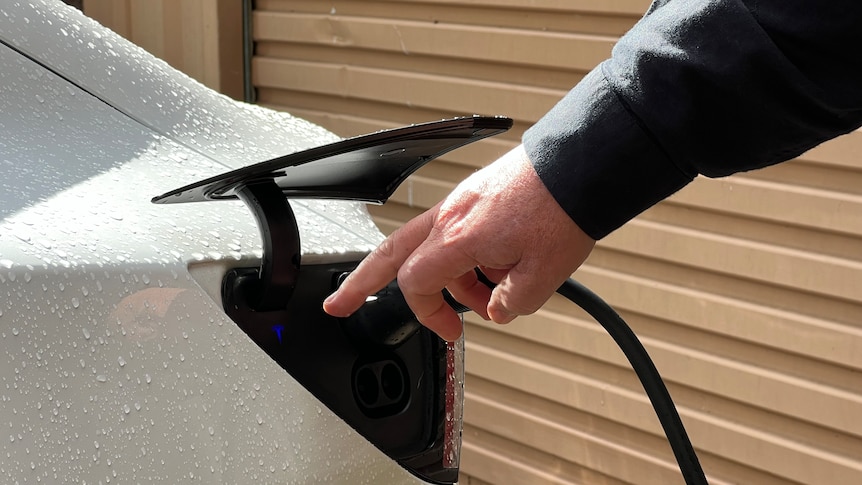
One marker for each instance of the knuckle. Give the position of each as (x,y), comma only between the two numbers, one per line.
(387,256)
(407,280)
(386,249)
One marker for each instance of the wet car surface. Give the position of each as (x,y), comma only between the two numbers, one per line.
(118,363)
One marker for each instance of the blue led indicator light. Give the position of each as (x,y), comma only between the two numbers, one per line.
(277,329)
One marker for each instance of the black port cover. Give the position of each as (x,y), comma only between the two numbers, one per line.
(367,168)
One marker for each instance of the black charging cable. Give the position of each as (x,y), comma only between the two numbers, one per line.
(385,320)
(646,371)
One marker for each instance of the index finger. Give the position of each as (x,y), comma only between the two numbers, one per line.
(379,267)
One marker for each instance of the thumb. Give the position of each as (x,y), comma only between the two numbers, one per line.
(520,293)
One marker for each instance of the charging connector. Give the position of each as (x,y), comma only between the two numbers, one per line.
(385,320)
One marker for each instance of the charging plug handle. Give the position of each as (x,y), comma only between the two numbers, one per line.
(385,320)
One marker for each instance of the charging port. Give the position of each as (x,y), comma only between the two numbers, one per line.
(381,387)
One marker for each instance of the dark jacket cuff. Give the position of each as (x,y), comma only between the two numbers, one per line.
(597,161)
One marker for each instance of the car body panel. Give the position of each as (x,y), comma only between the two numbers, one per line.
(117,362)
(150,91)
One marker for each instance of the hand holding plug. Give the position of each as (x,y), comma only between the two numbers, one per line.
(502,220)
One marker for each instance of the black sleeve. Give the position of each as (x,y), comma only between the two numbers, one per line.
(700,87)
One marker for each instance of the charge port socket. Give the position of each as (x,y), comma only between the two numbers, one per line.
(381,386)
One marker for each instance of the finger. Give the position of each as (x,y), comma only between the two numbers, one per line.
(523,291)
(470,292)
(433,266)
(442,319)
(534,279)
(494,275)
(379,267)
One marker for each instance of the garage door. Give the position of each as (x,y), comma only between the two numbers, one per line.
(747,291)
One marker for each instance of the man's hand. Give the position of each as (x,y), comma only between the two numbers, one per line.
(501,219)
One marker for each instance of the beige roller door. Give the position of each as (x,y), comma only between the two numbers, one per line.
(747,291)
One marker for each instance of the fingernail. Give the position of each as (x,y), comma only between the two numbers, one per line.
(328,303)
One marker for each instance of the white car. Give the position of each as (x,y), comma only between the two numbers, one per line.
(165,343)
